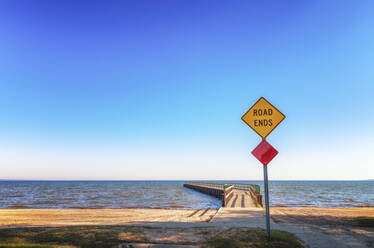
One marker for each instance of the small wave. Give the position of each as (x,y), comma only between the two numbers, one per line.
(15,195)
(83,207)
(18,206)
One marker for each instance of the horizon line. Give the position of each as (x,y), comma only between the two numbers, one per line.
(119,180)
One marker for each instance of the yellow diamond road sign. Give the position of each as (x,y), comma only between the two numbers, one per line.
(263,117)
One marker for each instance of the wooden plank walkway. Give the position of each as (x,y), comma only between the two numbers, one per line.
(232,195)
(241,199)
(254,217)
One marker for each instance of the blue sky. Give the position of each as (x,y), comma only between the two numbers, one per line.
(156,89)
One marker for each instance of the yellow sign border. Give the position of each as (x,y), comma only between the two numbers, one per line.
(284,117)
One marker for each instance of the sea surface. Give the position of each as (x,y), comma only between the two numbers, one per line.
(172,194)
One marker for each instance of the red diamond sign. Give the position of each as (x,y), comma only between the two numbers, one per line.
(264,152)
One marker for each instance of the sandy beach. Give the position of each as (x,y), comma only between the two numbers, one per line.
(55,217)
(318,216)
(317,227)
(67,217)
(328,227)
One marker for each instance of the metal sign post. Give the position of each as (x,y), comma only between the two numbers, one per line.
(263,118)
(267,208)
(265,153)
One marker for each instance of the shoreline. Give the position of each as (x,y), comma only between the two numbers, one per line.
(179,208)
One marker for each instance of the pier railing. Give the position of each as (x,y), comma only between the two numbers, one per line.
(228,193)
(224,191)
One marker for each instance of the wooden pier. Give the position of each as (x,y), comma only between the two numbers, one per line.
(233,195)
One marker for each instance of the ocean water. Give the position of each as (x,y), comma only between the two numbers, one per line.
(322,193)
(172,194)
